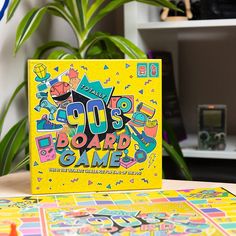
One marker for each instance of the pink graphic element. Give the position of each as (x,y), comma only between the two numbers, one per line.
(153,70)
(33,219)
(127,164)
(142,70)
(151,131)
(31,231)
(39,179)
(49,205)
(46,148)
(73,73)
(216,214)
(159,200)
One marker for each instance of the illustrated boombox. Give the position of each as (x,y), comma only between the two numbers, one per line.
(212,127)
(124,103)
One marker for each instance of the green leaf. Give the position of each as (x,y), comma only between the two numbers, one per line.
(94,7)
(4,113)
(61,54)
(104,49)
(58,10)
(177,159)
(10,145)
(21,164)
(128,48)
(50,45)
(172,137)
(28,25)
(124,45)
(12,8)
(109,7)
(114,4)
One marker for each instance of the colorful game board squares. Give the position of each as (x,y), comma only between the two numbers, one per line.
(65,200)
(30,219)
(30,226)
(137,197)
(120,199)
(176,199)
(4,203)
(205,193)
(228,225)
(156,200)
(196,202)
(104,202)
(156,197)
(170,193)
(48,202)
(84,200)
(31,232)
(213,212)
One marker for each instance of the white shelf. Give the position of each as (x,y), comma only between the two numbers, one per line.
(187,24)
(189,148)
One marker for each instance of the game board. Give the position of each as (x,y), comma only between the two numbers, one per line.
(95,125)
(184,212)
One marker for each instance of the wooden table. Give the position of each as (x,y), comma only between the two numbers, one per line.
(19,184)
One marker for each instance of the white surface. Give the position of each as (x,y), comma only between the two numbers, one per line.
(189,149)
(187,24)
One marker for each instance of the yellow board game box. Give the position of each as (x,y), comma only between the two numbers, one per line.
(95,125)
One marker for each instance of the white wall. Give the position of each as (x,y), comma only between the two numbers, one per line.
(12,67)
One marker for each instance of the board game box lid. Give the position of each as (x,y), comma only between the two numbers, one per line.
(95,125)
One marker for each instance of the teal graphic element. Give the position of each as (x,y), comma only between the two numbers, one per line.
(142,70)
(106,67)
(153,70)
(94,90)
(109,212)
(36,163)
(45,125)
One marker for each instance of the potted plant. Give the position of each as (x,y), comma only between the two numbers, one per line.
(82,16)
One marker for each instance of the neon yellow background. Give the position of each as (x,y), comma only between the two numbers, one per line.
(120,77)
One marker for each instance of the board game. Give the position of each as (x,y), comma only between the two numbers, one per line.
(209,212)
(95,125)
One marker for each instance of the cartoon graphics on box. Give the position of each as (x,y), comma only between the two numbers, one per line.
(95,125)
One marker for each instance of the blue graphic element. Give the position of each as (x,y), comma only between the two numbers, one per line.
(56,68)
(54,81)
(127,65)
(61,116)
(4,7)
(44,103)
(42,87)
(106,67)
(94,90)
(45,125)
(36,163)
